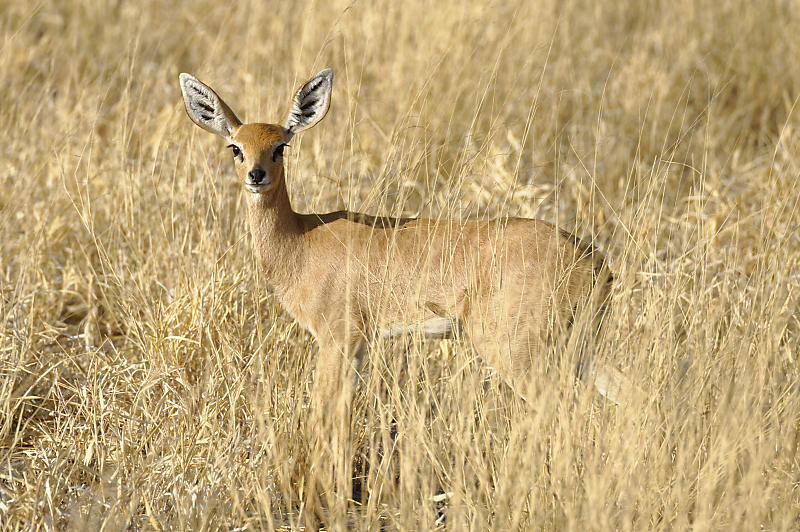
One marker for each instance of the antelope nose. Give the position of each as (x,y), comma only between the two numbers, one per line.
(256,175)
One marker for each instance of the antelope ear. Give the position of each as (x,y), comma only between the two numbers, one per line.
(206,109)
(310,103)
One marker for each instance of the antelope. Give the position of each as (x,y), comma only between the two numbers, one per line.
(508,284)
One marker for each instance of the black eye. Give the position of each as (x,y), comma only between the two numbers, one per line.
(278,152)
(237,153)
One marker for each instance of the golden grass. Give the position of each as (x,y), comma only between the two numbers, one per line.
(149,380)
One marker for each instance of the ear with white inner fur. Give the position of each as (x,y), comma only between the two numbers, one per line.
(206,109)
(310,103)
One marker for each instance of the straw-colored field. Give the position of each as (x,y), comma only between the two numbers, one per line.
(148,379)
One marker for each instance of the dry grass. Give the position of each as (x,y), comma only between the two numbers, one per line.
(149,380)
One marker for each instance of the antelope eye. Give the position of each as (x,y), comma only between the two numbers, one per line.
(237,153)
(278,152)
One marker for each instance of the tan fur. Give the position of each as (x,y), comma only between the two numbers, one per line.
(508,283)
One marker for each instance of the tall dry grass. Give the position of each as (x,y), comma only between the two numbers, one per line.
(149,380)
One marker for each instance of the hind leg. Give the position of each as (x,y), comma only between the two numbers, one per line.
(512,335)
(510,342)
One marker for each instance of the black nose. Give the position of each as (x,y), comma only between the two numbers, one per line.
(256,175)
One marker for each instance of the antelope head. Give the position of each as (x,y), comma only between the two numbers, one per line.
(258,148)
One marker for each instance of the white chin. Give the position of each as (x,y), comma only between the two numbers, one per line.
(255,189)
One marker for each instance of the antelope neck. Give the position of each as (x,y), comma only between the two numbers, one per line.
(277,236)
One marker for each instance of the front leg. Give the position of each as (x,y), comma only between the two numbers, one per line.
(329,480)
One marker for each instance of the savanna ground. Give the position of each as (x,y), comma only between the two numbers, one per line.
(148,380)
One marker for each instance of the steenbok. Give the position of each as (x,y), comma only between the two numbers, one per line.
(508,284)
